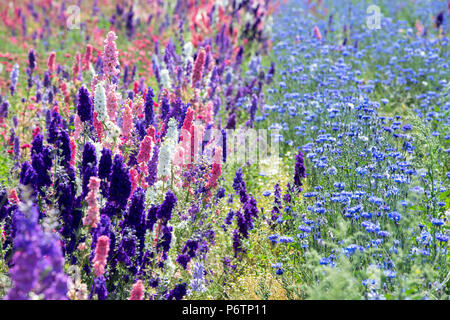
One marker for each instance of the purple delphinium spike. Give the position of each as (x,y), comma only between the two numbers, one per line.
(231,123)
(14,78)
(104,170)
(148,107)
(153,167)
(120,187)
(16,148)
(178,292)
(300,171)
(99,289)
(164,211)
(38,261)
(84,107)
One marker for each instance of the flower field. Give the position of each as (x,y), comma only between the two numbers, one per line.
(217,150)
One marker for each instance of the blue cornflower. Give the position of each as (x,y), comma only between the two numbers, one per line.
(277,265)
(320,210)
(339,185)
(441,237)
(425,238)
(437,222)
(375,200)
(366,215)
(285,239)
(394,216)
(355,209)
(304,228)
(384,234)
(369,282)
(273,238)
(390,274)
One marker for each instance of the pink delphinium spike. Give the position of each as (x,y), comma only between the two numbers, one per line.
(185,137)
(82,246)
(317,33)
(66,94)
(138,107)
(87,57)
(93,213)
(127,124)
(98,127)
(187,124)
(145,150)
(78,127)
(96,79)
(101,253)
(420,28)
(13,196)
(134,177)
(76,67)
(209,112)
(111,103)
(151,131)
(137,292)
(110,56)
(73,148)
(178,157)
(51,62)
(216,170)
(143,167)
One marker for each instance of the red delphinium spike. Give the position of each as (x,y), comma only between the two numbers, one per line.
(51,62)
(36,131)
(145,150)
(151,132)
(198,67)
(187,124)
(216,170)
